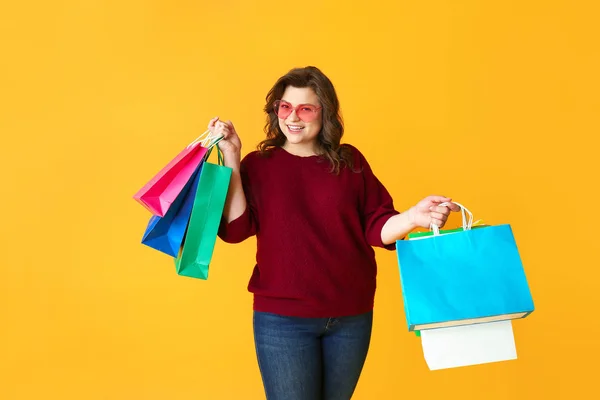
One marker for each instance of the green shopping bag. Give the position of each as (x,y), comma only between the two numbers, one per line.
(424,234)
(194,258)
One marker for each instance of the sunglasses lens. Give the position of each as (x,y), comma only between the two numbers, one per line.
(283,109)
(307,113)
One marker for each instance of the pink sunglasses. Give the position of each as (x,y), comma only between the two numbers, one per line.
(306,112)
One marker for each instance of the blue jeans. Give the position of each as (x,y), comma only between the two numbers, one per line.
(311,358)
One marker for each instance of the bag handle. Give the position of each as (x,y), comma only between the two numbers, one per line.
(206,140)
(467,225)
(220,157)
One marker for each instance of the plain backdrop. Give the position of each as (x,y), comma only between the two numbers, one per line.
(492,103)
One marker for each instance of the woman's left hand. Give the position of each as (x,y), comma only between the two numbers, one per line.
(428,211)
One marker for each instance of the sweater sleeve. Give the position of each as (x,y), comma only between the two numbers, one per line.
(376,203)
(245,225)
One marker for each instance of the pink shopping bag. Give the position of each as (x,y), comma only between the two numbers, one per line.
(161,191)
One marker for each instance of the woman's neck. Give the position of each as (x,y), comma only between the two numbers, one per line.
(301,150)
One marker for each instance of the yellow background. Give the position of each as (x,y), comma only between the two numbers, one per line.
(493,103)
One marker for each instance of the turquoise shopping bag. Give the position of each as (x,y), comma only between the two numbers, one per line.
(200,238)
(463,277)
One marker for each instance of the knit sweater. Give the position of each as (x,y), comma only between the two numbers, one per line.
(315,233)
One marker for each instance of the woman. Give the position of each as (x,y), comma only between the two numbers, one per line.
(317,210)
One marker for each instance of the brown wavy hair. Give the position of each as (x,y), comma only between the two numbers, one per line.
(330,136)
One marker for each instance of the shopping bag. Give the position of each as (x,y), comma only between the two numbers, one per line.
(423,234)
(166,234)
(199,242)
(158,194)
(462,277)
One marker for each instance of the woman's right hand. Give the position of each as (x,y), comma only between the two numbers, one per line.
(230,145)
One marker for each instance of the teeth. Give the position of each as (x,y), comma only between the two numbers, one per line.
(295,128)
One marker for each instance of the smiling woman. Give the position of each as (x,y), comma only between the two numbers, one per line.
(299,124)
(317,210)
(494,101)
(306,100)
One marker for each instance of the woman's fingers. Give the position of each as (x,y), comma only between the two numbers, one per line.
(438,222)
(226,130)
(438,216)
(222,129)
(441,210)
(212,122)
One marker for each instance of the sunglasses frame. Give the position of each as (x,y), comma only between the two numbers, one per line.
(296,109)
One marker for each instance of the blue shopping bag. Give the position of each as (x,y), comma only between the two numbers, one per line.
(166,234)
(465,277)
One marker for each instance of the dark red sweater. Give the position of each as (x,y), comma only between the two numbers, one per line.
(315,231)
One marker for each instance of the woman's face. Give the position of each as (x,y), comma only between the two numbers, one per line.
(302,121)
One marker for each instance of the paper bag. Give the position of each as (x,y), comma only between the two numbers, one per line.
(196,255)
(160,192)
(166,234)
(463,277)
